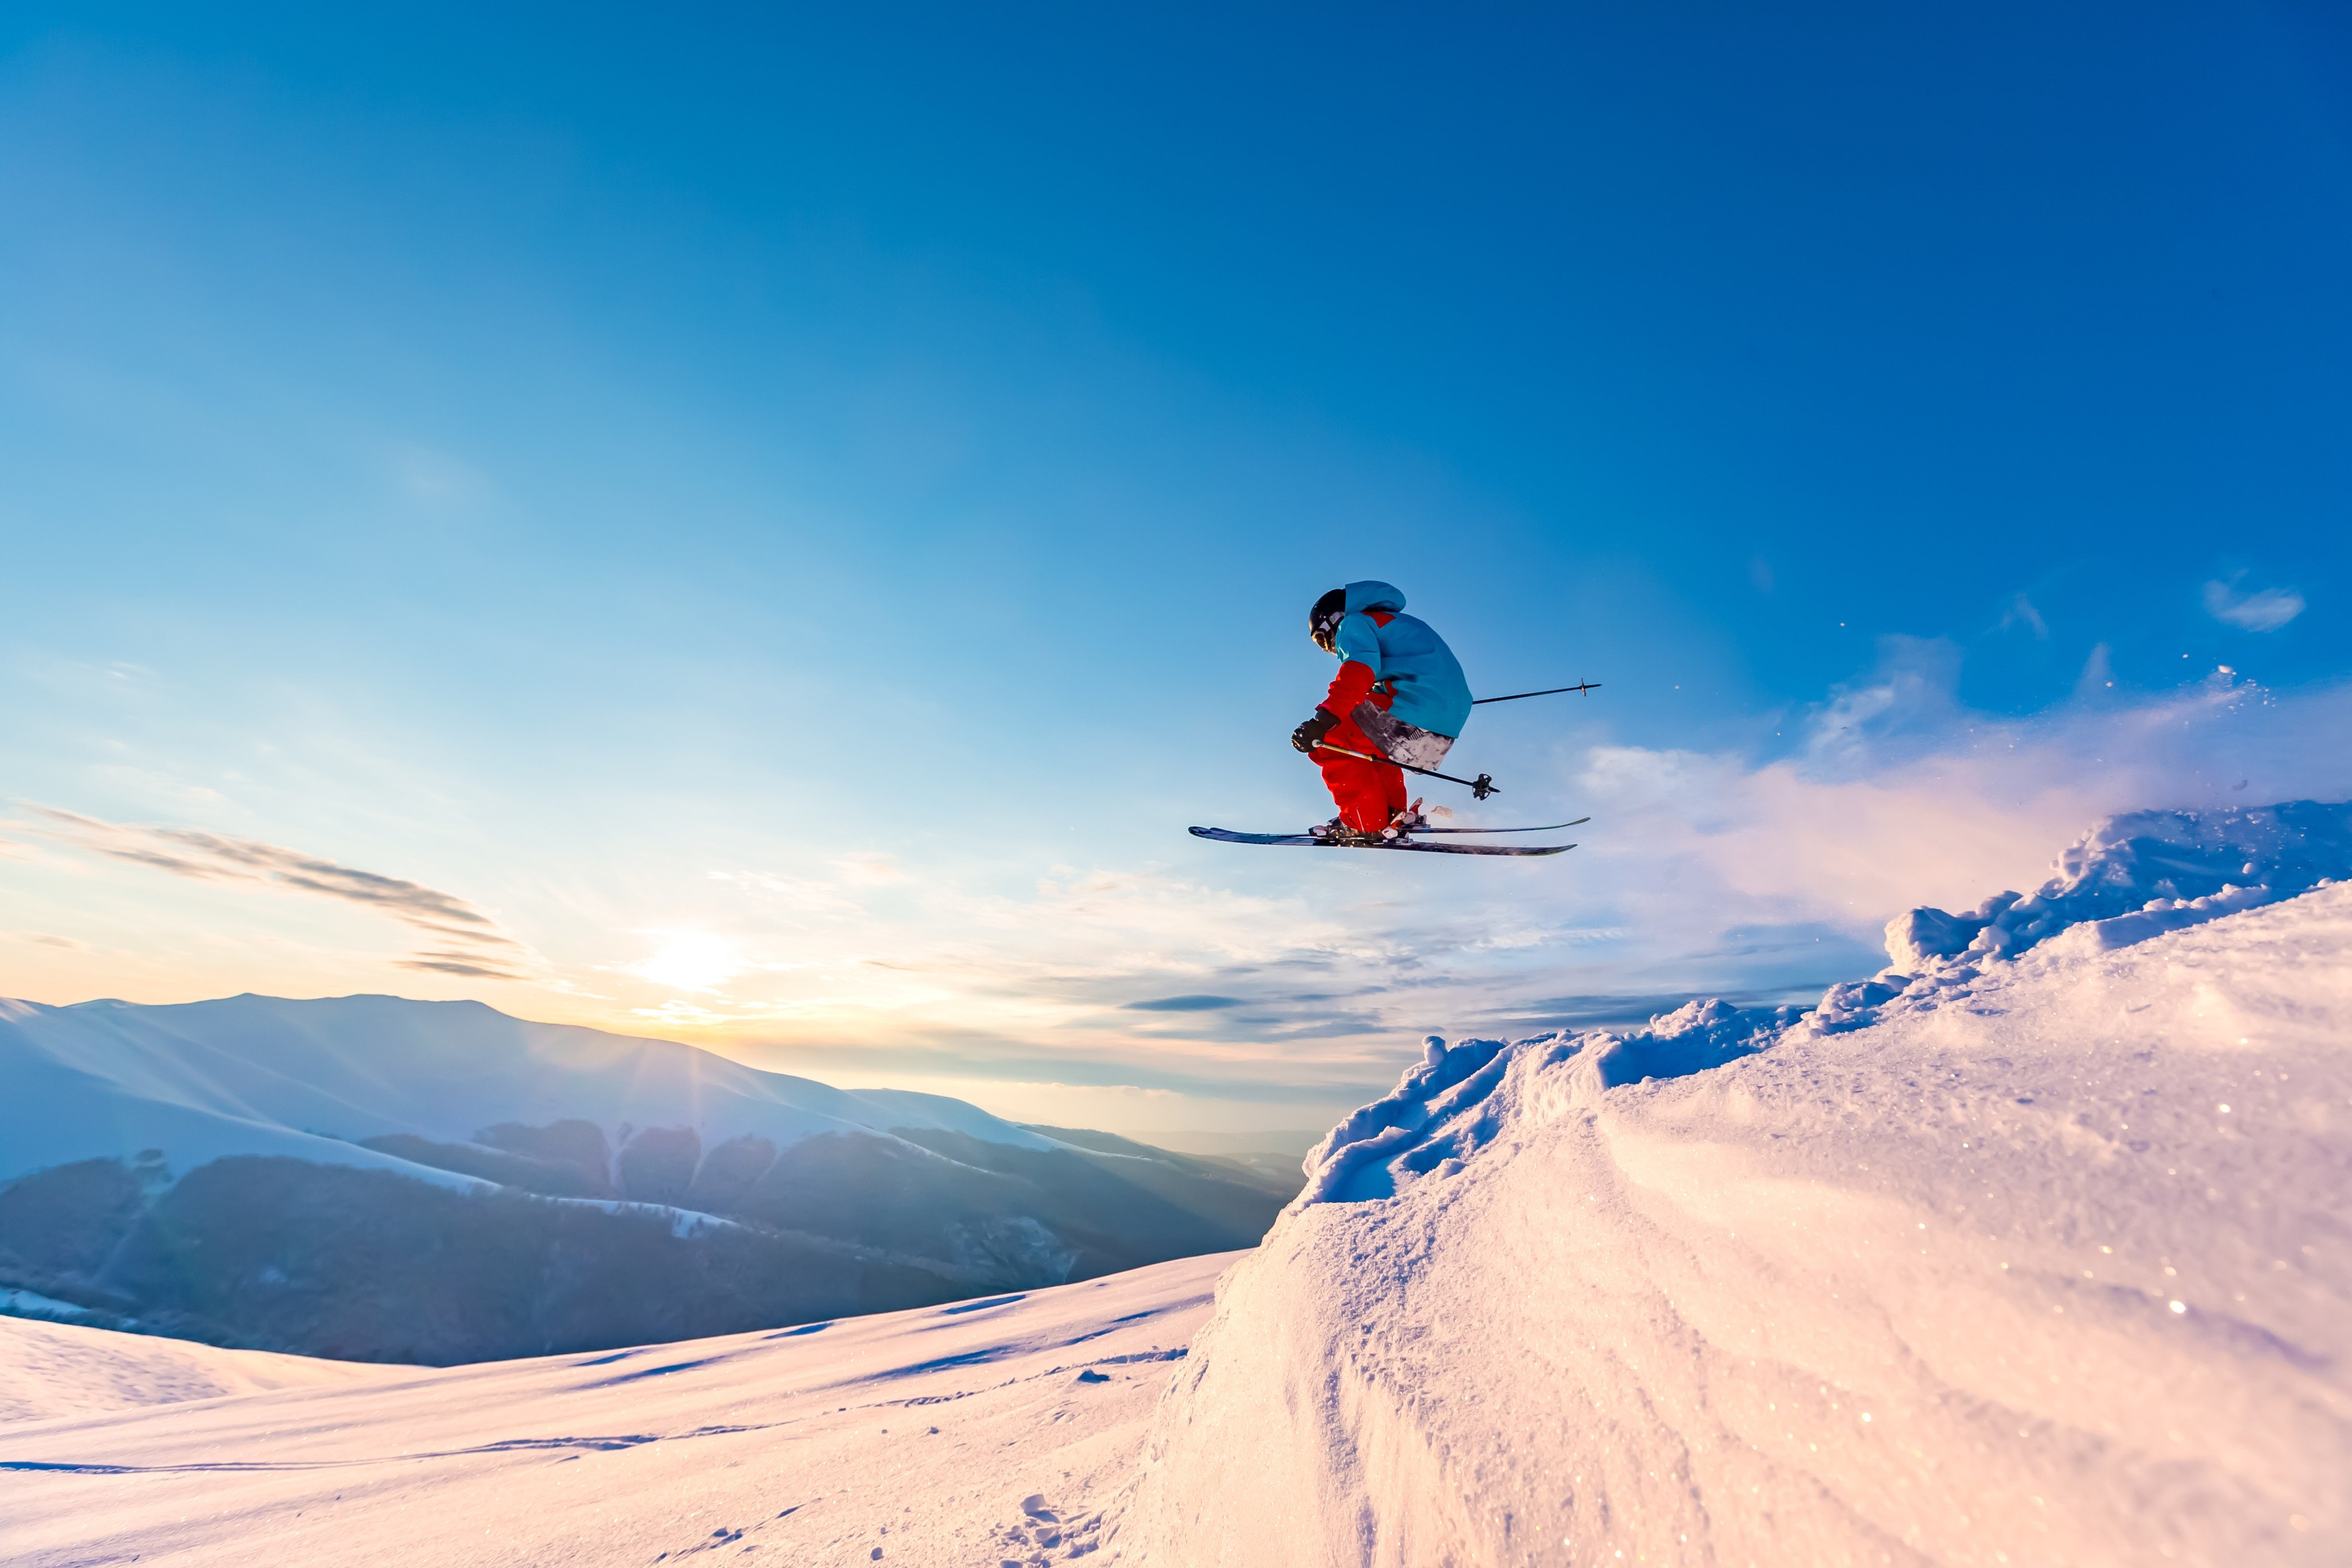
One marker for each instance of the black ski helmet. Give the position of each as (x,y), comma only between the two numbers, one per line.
(1323,620)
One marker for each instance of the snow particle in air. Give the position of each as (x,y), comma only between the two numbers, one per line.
(2177,1306)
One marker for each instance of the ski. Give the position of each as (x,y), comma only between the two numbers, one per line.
(1547,827)
(1308,841)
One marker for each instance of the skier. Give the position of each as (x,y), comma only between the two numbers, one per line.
(1400,695)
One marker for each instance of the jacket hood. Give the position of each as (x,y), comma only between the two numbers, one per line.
(1369,594)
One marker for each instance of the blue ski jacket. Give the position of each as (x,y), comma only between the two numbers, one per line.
(1405,656)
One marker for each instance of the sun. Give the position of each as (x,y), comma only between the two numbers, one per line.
(691,960)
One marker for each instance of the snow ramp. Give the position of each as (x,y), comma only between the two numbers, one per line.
(2031,1250)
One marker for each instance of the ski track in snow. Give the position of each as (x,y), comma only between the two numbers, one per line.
(986,1432)
(2035,1253)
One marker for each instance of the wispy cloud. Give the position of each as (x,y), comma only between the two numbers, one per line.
(2265,610)
(2098,676)
(43,939)
(1910,695)
(470,942)
(458,964)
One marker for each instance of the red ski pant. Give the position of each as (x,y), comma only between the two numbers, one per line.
(1368,794)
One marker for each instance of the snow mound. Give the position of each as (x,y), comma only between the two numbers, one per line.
(2130,877)
(51,1370)
(2030,1250)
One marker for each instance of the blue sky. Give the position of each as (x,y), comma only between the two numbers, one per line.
(765,529)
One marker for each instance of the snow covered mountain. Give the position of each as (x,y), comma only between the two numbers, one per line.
(263,1075)
(382,1179)
(2031,1250)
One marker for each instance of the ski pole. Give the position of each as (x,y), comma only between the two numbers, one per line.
(1480,787)
(1514,697)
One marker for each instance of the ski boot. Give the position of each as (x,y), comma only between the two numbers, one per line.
(1337,831)
(1403,823)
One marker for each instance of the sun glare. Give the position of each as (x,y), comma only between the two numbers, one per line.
(691,960)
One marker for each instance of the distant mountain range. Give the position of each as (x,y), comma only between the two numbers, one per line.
(378,1179)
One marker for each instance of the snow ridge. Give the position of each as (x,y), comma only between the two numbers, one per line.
(2130,877)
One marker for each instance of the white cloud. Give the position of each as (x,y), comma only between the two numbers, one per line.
(2263,611)
(1899,816)
(1909,694)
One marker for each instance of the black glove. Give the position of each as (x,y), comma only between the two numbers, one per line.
(1309,735)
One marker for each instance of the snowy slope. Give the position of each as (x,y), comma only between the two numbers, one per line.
(263,1075)
(52,1370)
(912,1439)
(2034,1253)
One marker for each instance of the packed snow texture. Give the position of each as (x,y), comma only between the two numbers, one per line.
(986,1432)
(2031,1250)
(262,1075)
(49,1371)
